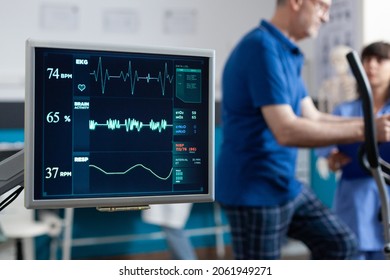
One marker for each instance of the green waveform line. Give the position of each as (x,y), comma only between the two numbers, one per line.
(130,125)
(131,168)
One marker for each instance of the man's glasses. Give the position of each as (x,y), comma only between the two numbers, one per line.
(321,7)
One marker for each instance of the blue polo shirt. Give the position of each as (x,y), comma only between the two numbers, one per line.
(252,168)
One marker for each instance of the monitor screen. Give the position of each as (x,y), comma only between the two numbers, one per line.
(113,126)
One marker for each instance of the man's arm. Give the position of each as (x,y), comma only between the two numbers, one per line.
(291,130)
(316,129)
(310,111)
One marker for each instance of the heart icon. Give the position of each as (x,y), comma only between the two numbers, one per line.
(81,87)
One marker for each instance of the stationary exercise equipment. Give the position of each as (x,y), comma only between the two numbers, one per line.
(369,154)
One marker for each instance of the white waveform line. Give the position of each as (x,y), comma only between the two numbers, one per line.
(133,78)
(128,170)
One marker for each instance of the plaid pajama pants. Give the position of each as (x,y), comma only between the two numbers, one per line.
(259,232)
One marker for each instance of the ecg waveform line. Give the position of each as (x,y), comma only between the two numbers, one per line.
(130,125)
(131,168)
(104,76)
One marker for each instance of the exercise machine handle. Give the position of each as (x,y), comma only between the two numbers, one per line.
(371,145)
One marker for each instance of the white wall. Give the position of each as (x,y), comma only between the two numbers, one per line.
(215,24)
(376,21)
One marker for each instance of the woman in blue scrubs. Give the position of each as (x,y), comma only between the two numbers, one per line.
(357,199)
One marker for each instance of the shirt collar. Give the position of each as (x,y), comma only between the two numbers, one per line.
(286,42)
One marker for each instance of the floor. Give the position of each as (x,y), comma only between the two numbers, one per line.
(294,250)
